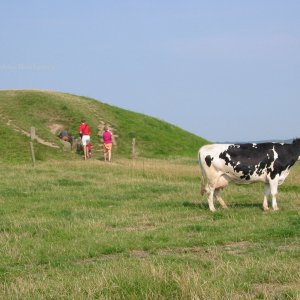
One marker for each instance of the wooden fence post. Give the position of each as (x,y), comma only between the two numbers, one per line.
(32,137)
(32,133)
(133,149)
(32,153)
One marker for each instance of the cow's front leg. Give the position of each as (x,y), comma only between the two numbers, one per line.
(274,190)
(274,201)
(266,196)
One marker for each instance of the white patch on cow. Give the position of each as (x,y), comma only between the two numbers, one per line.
(254,145)
(275,157)
(283,176)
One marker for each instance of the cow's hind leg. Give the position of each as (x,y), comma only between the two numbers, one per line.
(210,190)
(207,189)
(219,198)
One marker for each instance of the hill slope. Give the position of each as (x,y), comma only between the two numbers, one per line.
(49,112)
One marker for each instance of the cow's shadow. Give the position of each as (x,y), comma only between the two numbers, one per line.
(204,205)
(196,205)
(246,205)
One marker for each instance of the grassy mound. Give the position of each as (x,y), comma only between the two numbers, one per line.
(49,112)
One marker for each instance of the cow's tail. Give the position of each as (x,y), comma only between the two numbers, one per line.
(203,178)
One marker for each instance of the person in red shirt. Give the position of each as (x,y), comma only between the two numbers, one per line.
(107,143)
(85,131)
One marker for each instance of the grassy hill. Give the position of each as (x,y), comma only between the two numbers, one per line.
(49,112)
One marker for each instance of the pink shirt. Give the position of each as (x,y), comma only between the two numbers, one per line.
(107,137)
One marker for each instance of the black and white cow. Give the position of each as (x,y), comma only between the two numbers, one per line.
(246,163)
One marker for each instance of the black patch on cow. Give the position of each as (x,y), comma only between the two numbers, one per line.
(258,158)
(208,160)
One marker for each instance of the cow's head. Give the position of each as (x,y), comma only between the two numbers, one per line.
(296,143)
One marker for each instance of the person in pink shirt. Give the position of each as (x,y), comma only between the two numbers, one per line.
(85,131)
(107,143)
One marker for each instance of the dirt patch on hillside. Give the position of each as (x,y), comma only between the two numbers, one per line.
(56,128)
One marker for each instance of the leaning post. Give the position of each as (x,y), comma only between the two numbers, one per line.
(32,133)
(133,148)
(32,137)
(32,153)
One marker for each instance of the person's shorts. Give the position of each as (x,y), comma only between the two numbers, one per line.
(107,147)
(85,139)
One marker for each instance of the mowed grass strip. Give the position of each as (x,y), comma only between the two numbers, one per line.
(140,230)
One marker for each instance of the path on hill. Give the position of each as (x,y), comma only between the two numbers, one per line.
(24,132)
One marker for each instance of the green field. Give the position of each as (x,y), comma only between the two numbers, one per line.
(131,229)
(140,230)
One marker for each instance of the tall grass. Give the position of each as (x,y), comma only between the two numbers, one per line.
(140,230)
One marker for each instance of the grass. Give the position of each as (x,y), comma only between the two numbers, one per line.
(140,230)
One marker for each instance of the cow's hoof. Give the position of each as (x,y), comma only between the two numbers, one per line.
(275,208)
(212,209)
(266,208)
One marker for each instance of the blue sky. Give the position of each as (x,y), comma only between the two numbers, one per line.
(224,70)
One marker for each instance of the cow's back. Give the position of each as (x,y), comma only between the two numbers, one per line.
(239,163)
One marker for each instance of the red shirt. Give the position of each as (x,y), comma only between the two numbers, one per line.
(84,129)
